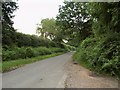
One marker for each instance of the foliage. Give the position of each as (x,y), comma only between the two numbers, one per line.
(102,55)
(27,52)
(105,17)
(8,32)
(74,20)
(94,25)
(47,28)
(12,38)
(101,51)
(68,47)
(25,40)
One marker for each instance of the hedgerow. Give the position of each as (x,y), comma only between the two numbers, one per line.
(27,52)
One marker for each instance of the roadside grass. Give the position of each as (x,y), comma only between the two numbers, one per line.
(14,64)
(84,64)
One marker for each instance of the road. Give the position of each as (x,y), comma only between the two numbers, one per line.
(48,73)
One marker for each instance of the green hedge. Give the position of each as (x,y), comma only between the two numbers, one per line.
(27,52)
(24,40)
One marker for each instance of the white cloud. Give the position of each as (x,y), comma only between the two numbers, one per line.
(31,12)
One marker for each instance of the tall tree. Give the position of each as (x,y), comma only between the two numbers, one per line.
(105,17)
(74,20)
(8,32)
(47,28)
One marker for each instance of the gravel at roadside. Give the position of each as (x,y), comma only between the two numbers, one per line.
(80,77)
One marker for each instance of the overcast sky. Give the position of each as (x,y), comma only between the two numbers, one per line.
(31,12)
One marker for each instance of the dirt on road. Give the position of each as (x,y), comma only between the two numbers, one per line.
(80,77)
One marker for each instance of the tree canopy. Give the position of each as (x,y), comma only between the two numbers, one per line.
(47,28)
(74,20)
(101,51)
(8,31)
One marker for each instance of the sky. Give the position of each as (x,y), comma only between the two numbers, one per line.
(31,12)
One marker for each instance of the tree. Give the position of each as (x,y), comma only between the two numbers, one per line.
(47,28)
(8,32)
(102,50)
(74,20)
(105,17)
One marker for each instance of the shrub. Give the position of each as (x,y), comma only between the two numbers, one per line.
(102,54)
(30,52)
(43,51)
(27,52)
(55,50)
(25,40)
(21,52)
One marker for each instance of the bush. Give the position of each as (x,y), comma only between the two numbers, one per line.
(43,51)
(56,50)
(21,52)
(102,54)
(30,52)
(27,52)
(25,40)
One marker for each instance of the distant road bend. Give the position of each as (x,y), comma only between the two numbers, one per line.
(47,73)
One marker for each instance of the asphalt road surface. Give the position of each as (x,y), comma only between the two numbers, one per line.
(48,73)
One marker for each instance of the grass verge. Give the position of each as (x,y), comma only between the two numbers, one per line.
(84,64)
(14,64)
